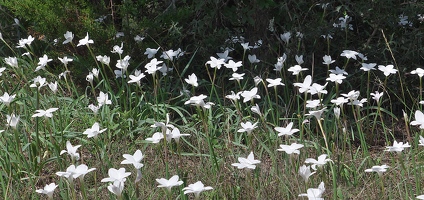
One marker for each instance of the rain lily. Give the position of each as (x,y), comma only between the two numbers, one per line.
(314,193)
(349,54)
(135,159)
(85,41)
(421,141)
(118,49)
(368,66)
(274,82)
(397,147)
(237,76)
(152,66)
(256,109)
(53,86)
(338,78)
(252,59)
(7,99)
(11,61)
(71,150)
(247,127)
(338,71)
(387,70)
(168,184)
(103,99)
(192,80)
(291,149)
(299,59)
(48,190)
(304,87)
(45,113)
(116,175)
(82,170)
(151,52)
(296,69)
(224,55)
(123,63)
(103,59)
(419,119)
(69,36)
(327,60)
(196,188)
(136,77)
(285,37)
(43,62)
(250,94)
(116,188)
(12,120)
(418,71)
(233,65)
(377,95)
(248,162)
(176,134)
(23,42)
(318,89)
(155,138)
(305,172)
(198,101)
(215,63)
(378,169)
(322,160)
(286,130)
(38,82)
(316,113)
(94,130)
(233,96)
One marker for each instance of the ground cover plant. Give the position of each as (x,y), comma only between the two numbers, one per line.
(170,124)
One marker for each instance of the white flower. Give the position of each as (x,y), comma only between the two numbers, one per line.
(12,120)
(397,147)
(69,36)
(349,54)
(286,130)
(338,78)
(118,49)
(53,86)
(377,95)
(192,80)
(421,141)
(103,99)
(419,119)
(198,101)
(248,162)
(253,59)
(250,94)
(85,41)
(305,86)
(224,55)
(7,99)
(285,37)
(116,188)
(327,60)
(378,169)
(315,193)
(65,60)
(45,113)
(93,108)
(299,59)
(418,71)
(152,66)
(135,159)
(215,63)
(196,188)
(48,190)
(136,77)
(116,175)
(151,52)
(176,134)
(246,46)
(94,130)
(173,181)
(71,150)
(274,82)
(322,160)
(103,59)
(155,138)
(23,42)
(256,109)
(305,172)
(138,38)
(236,76)
(368,66)
(318,89)
(43,62)
(387,70)
(296,69)
(11,61)
(338,71)
(291,149)
(247,127)
(233,65)
(233,96)
(123,63)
